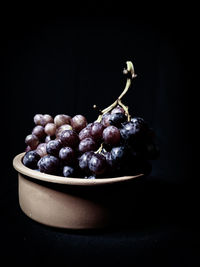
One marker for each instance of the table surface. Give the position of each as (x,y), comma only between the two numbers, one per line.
(165,234)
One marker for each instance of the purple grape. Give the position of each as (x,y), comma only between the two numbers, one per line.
(69,138)
(42,149)
(49,164)
(85,132)
(97,130)
(97,164)
(117,118)
(53,147)
(118,109)
(31,159)
(39,132)
(32,141)
(87,144)
(67,155)
(106,120)
(84,160)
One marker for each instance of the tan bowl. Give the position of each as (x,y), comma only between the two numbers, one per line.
(74,203)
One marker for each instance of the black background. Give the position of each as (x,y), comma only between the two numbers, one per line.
(54,63)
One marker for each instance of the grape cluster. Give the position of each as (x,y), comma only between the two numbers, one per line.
(70,147)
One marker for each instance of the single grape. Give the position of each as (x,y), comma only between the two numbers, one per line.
(97,130)
(118,109)
(32,141)
(109,159)
(106,119)
(39,132)
(68,171)
(67,155)
(49,164)
(39,119)
(78,122)
(69,138)
(47,119)
(50,129)
(84,160)
(53,147)
(62,119)
(87,144)
(97,164)
(63,128)
(117,118)
(31,159)
(85,132)
(42,149)
(118,153)
(111,135)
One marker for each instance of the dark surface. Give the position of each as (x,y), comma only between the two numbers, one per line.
(65,64)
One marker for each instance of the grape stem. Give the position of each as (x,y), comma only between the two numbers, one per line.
(130,72)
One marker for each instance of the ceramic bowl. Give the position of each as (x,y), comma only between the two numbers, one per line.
(74,203)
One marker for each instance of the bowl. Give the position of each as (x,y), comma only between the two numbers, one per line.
(74,203)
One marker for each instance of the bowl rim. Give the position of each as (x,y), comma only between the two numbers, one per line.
(21,168)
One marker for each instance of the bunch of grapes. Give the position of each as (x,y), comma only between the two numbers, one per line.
(113,145)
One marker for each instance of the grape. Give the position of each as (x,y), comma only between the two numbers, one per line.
(32,141)
(135,130)
(49,164)
(47,119)
(118,109)
(97,130)
(118,153)
(106,119)
(84,160)
(97,164)
(62,128)
(39,132)
(31,159)
(50,129)
(110,162)
(78,122)
(69,138)
(87,144)
(68,171)
(67,155)
(39,119)
(61,119)
(111,135)
(85,132)
(53,147)
(41,149)
(117,118)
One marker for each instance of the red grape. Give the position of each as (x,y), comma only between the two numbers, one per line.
(78,122)
(85,132)
(32,141)
(67,155)
(50,129)
(106,119)
(39,131)
(97,130)
(69,138)
(87,144)
(118,109)
(111,135)
(97,164)
(62,119)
